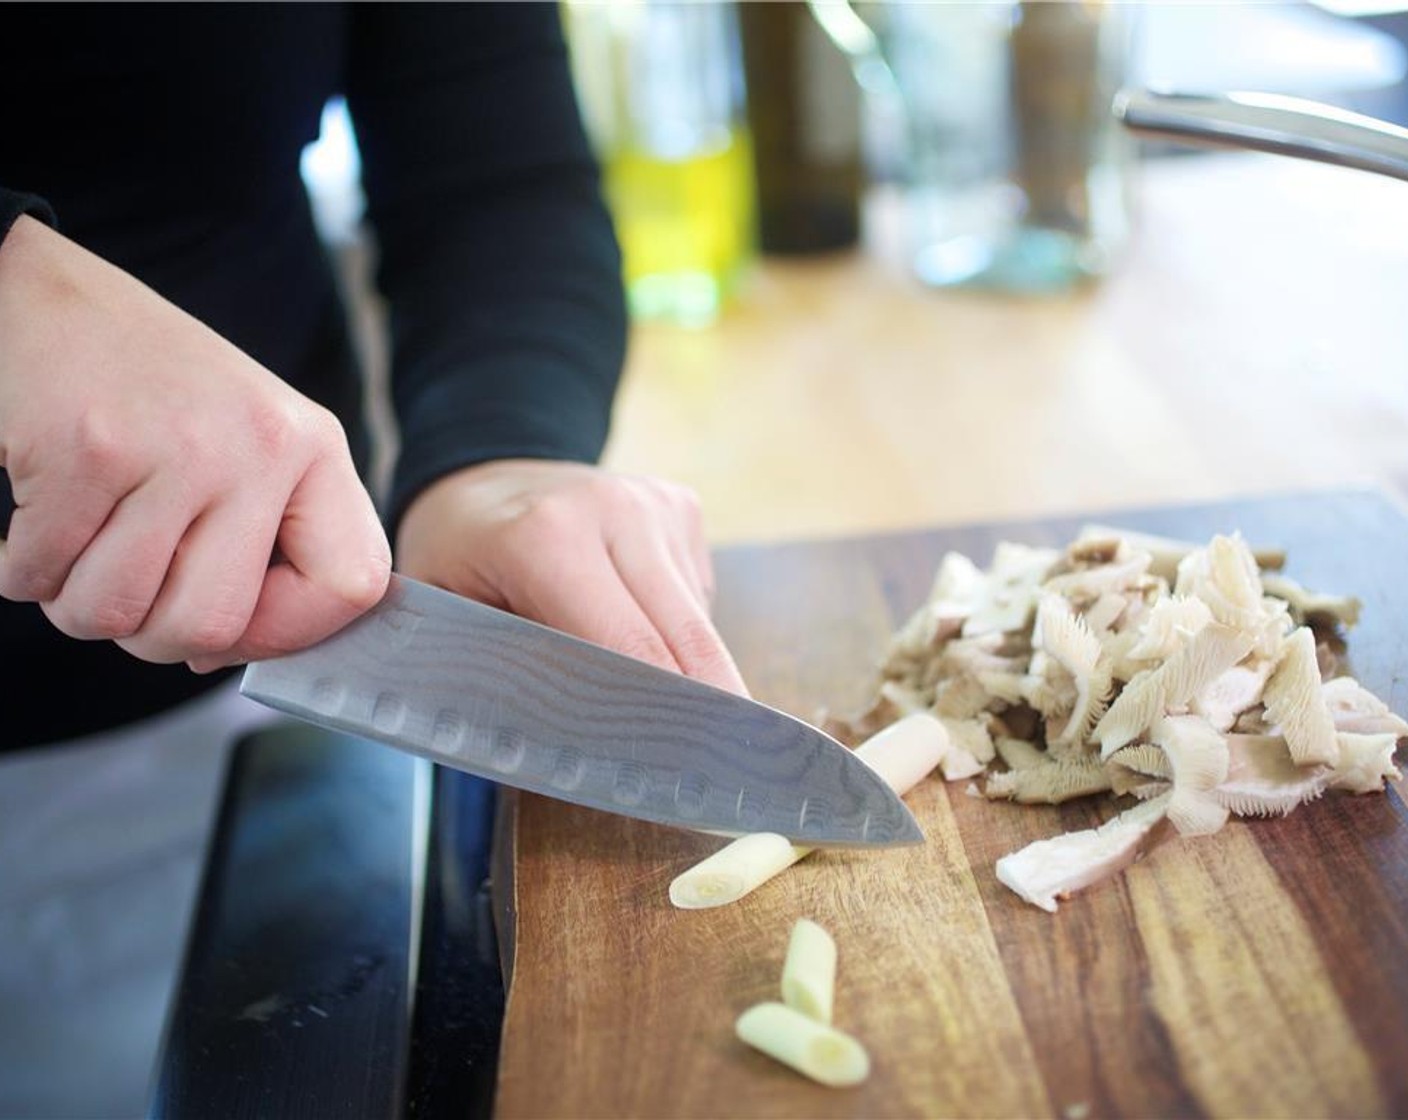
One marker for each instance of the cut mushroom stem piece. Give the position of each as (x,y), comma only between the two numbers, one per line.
(732,872)
(1047,870)
(809,972)
(813,1049)
(902,754)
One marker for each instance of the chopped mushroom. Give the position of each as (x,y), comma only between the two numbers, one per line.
(1181,675)
(1197,755)
(1209,653)
(1296,704)
(1307,606)
(1365,762)
(1353,707)
(1263,780)
(1047,870)
(1050,782)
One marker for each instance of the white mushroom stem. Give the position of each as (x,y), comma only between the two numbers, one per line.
(814,1049)
(809,971)
(1047,870)
(903,754)
(1295,703)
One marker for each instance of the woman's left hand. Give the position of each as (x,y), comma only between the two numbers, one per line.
(618,560)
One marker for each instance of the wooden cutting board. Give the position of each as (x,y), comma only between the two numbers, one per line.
(1262,971)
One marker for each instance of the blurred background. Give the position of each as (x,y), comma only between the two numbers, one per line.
(889,265)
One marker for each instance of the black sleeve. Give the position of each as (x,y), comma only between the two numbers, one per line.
(498,256)
(15,203)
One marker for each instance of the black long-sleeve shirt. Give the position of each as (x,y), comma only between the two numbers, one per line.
(167,140)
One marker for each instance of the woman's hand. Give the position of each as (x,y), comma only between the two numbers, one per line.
(617,560)
(157,470)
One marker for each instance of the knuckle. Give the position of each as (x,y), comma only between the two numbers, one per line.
(362,585)
(273,426)
(643,645)
(25,582)
(117,616)
(99,451)
(208,632)
(697,644)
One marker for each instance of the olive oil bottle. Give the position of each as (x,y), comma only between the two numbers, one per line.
(661,89)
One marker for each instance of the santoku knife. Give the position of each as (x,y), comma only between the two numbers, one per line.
(484,691)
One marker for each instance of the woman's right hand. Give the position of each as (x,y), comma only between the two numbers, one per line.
(171,493)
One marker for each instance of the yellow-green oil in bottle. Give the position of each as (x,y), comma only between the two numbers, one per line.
(686,226)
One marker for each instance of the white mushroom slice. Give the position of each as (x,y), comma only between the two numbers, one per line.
(905,700)
(1088,584)
(1047,870)
(1305,605)
(958,582)
(1168,626)
(1051,782)
(1366,762)
(1232,693)
(1224,575)
(1197,755)
(1018,753)
(1005,688)
(1117,647)
(1166,553)
(958,764)
(1010,589)
(961,697)
(1209,654)
(1263,780)
(972,736)
(1295,703)
(1105,613)
(1354,708)
(1048,686)
(1067,640)
(1132,768)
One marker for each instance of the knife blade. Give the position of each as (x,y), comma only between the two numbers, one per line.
(487,692)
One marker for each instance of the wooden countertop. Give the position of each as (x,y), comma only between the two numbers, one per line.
(1253,342)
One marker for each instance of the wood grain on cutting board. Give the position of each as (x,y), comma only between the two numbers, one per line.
(1262,971)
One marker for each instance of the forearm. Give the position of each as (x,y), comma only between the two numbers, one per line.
(498,257)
